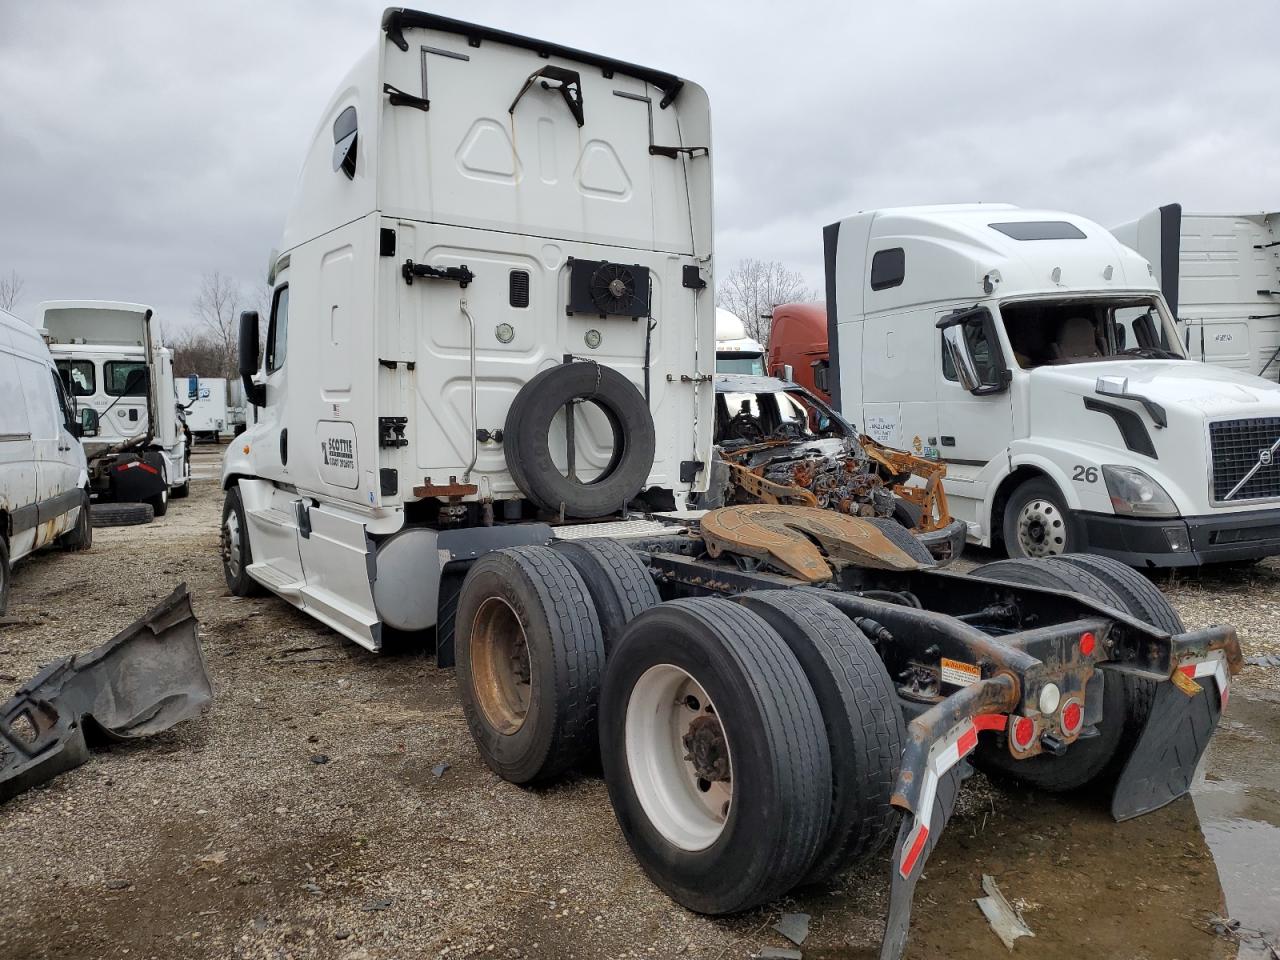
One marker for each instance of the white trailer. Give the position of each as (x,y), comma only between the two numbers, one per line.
(122,379)
(1034,355)
(204,399)
(1220,273)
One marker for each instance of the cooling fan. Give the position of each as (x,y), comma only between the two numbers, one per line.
(608,289)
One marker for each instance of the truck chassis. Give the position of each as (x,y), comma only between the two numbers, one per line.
(1035,667)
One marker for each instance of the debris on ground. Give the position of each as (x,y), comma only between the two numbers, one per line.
(1005,921)
(1263,660)
(440,769)
(779,953)
(374,905)
(143,680)
(793,926)
(319,758)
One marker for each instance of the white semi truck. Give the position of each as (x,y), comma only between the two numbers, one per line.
(1220,274)
(1035,355)
(122,379)
(486,400)
(735,351)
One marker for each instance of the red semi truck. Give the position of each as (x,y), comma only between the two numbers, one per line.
(798,346)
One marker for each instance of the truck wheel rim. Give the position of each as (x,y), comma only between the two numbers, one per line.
(500,666)
(1042,530)
(678,757)
(231,544)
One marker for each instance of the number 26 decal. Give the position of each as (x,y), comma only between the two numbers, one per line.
(1083,474)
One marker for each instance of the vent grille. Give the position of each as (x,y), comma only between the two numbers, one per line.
(519,288)
(1237,447)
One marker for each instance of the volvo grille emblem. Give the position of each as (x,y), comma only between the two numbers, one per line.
(1264,458)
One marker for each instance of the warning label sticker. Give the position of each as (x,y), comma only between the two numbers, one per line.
(959,673)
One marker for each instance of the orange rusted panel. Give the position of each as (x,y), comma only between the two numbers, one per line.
(806,542)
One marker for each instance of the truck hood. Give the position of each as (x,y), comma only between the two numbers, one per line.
(1196,388)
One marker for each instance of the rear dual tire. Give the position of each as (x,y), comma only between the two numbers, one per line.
(1126,699)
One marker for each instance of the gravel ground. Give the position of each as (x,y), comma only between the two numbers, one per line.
(304,814)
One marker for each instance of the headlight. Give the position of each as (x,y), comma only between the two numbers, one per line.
(1136,494)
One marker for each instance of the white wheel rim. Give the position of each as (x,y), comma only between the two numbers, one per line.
(1042,529)
(231,544)
(689,810)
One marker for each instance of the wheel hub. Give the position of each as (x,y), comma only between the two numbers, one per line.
(1041,529)
(707,750)
(231,545)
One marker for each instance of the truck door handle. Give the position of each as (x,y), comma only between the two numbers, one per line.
(948,441)
(284,446)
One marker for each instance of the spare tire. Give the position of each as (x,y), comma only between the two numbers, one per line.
(528,451)
(120,514)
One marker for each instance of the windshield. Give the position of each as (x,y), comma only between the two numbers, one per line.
(791,415)
(1085,330)
(751,364)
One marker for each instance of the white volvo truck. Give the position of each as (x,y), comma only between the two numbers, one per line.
(1220,273)
(1035,355)
(735,351)
(122,379)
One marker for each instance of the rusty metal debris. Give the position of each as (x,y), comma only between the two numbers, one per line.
(860,478)
(804,542)
(143,680)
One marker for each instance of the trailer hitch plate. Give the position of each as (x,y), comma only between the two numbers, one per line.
(804,542)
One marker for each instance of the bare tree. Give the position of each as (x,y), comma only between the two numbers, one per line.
(10,290)
(217,309)
(752,288)
(196,352)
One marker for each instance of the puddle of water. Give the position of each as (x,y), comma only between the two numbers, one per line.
(1093,888)
(1238,802)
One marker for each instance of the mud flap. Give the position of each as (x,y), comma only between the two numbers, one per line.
(143,680)
(909,855)
(1183,716)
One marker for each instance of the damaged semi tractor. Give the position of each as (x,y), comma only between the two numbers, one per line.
(121,377)
(485,405)
(1034,355)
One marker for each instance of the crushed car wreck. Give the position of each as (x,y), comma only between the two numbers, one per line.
(148,677)
(781,444)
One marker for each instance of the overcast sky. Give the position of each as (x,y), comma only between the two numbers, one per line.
(145,143)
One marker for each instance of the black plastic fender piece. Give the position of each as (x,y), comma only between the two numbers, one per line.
(143,680)
(1164,758)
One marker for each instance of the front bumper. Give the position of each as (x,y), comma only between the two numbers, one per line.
(947,544)
(1183,541)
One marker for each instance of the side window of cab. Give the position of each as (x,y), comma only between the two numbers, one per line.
(278,330)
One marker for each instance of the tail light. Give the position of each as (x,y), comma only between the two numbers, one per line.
(1072,717)
(1022,733)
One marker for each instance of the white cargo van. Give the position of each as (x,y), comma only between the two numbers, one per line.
(122,379)
(44,478)
(1035,355)
(1220,273)
(204,399)
(487,228)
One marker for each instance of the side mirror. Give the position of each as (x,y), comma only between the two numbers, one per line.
(788,372)
(255,393)
(958,350)
(88,425)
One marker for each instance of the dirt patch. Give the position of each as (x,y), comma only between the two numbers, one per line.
(225,838)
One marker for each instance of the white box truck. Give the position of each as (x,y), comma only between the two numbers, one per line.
(1220,274)
(491,343)
(1035,355)
(204,400)
(122,378)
